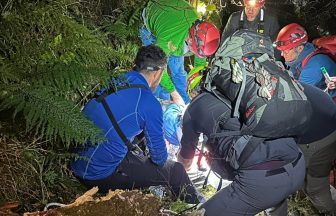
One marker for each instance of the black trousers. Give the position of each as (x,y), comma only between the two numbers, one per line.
(137,172)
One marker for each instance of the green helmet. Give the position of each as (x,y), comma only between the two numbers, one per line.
(194,78)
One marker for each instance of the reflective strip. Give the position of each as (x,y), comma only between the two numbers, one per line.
(286,90)
(259,112)
(242,89)
(262,15)
(144,19)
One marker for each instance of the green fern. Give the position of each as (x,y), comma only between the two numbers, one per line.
(46,56)
(51,115)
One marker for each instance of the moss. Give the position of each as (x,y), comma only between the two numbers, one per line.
(299,205)
(208,191)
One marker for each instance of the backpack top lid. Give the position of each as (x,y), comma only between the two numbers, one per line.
(244,43)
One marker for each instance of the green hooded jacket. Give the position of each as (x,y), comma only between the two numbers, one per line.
(169,21)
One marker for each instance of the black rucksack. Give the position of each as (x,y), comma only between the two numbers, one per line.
(265,97)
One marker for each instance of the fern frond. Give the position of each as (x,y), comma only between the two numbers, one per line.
(52,116)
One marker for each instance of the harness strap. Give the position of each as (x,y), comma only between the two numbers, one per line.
(225,133)
(307,58)
(242,149)
(101,99)
(261,23)
(252,144)
(241,20)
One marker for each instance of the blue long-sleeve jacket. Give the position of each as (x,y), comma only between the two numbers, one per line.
(135,110)
(311,74)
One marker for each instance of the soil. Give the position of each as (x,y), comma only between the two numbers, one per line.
(120,203)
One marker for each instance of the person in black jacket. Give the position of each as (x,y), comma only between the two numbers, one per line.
(318,145)
(270,173)
(255,18)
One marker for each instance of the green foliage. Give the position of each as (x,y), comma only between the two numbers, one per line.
(33,175)
(54,54)
(299,204)
(178,206)
(46,58)
(317,15)
(60,117)
(208,191)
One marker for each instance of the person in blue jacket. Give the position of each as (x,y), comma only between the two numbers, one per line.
(293,43)
(111,164)
(172,118)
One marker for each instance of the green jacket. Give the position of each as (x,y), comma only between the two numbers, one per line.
(169,21)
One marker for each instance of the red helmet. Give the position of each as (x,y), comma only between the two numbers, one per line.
(291,36)
(257,3)
(204,37)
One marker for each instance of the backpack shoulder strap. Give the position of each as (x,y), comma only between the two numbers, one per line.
(241,90)
(241,20)
(261,23)
(101,99)
(306,59)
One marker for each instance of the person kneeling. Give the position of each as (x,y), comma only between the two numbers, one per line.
(114,164)
(261,177)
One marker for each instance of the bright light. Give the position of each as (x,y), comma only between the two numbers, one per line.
(252,3)
(201,8)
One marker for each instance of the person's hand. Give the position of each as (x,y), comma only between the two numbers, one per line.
(177,99)
(185,162)
(332,83)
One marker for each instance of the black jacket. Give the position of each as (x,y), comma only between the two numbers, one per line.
(323,121)
(207,114)
(271,25)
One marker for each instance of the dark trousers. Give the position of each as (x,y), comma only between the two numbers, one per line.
(320,156)
(253,191)
(137,172)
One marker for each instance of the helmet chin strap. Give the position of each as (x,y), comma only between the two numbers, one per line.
(197,39)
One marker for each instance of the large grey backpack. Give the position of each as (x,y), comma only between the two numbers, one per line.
(263,94)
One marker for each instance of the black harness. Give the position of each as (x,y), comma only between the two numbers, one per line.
(101,99)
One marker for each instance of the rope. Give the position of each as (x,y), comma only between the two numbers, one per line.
(53,204)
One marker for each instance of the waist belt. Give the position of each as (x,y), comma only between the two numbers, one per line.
(282,169)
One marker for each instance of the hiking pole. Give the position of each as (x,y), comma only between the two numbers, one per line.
(205,183)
